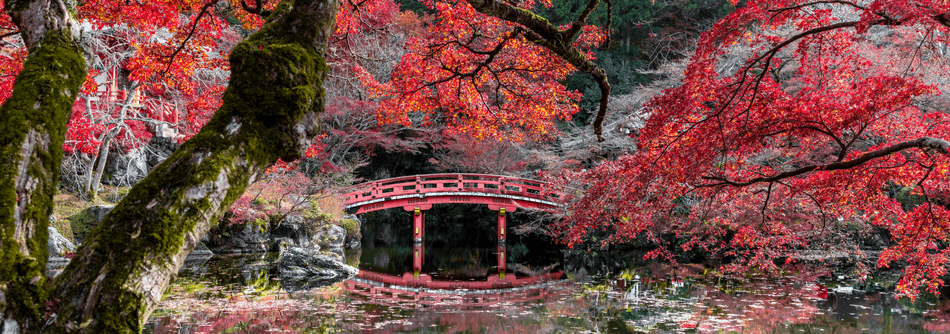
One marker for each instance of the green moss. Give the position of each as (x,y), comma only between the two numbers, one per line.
(81,223)
(352,227)
(41,101)
(276,80)
(65,228)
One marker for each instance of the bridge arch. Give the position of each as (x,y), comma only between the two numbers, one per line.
(496,191)
(418,193)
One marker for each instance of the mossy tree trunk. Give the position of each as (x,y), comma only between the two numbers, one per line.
(269,111)
(33,123)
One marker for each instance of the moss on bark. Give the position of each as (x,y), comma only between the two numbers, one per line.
(269,111)
(34,127)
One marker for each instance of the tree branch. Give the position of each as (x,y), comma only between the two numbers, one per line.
(560,42)
(935,144)
(194,26)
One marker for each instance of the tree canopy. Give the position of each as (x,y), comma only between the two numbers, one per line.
(268,111)
(796,122)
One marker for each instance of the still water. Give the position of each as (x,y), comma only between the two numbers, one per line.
(461,289)
(460,280)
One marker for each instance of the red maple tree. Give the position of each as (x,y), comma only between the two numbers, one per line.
(834,106)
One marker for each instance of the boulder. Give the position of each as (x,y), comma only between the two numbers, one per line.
(159,148)
(291,232)
(132,166)
(352,225)
(197,258)
(126,169)
(306,268)
(58,248)
(331,236)
(99,212)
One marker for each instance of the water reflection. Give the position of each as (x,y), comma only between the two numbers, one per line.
(434,287)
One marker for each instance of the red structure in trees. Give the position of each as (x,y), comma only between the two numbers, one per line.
(419,192)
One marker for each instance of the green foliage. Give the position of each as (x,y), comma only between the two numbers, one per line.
(621,73)
(414,6)
(81,223)
(352,227)
(908,198)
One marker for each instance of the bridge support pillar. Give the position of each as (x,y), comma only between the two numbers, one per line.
(502,261)
(502,224)
(418,221)
(418,225)
(418,257)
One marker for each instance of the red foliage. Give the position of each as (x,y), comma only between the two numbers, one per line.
(833,108)
(464,154)
(12,54)
(480,76)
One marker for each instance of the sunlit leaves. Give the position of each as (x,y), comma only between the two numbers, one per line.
(481,76)
(782,137)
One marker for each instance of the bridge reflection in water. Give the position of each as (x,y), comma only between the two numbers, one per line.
(417,194)
(418,290)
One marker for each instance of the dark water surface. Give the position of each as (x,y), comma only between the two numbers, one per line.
(461,281)
(239,294)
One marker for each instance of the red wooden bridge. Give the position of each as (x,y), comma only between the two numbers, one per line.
(418,193)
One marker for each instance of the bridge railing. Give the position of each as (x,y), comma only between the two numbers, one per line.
(456,182)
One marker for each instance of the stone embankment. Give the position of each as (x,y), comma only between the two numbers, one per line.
(311,252)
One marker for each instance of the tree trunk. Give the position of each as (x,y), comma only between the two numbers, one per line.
(31,143)
(93,190)
(269,111)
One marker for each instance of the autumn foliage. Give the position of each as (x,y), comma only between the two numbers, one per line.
(795,122)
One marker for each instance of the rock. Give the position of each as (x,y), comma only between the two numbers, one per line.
(58,247)
(159,149)
(291,232)
(352,225)
(236,239)
(127,168)
(99,211)
(331,236)
(304,269)
(876,239)
(201,250)
(57,244)
(197,258)
(352,243)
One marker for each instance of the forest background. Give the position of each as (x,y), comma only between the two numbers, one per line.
(785,126)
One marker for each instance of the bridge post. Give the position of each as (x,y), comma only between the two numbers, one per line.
(418,225)
(502,222)
(418,257)
(502,261)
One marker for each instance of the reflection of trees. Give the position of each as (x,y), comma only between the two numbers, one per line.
(789,304)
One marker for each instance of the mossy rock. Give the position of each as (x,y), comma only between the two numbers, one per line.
(352,227)
(64,226)
(81,223)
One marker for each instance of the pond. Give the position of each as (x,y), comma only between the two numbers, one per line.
(473,285)
(238,294)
